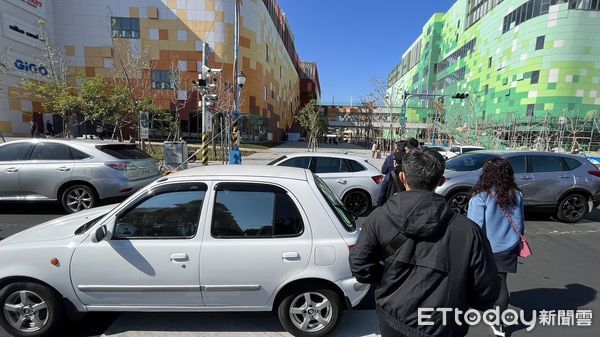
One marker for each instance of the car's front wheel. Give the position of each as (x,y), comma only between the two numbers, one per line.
(30,310)
(572,208)
(310,313)
(77,198)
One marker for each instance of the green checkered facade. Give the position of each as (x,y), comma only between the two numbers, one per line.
(514,63)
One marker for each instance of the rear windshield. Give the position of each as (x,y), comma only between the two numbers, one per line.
(341,212)
(468,162)
(123,151)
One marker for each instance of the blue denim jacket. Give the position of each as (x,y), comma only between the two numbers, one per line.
(485,211)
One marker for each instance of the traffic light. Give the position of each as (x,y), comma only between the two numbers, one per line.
(461,95)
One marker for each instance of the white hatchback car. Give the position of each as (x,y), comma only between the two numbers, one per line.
(220,238)
(353,179)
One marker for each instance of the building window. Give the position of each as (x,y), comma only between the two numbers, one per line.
(267,52)
(535,77)
(530,110)
(161,79)
(490,62)
(539,42)
(486,89)
(125,28)
(266,92)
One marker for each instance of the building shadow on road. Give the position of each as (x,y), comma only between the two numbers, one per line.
(572,297)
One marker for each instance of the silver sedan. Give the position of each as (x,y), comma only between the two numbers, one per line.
(76,173)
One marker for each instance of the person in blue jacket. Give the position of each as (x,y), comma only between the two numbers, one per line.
(497,207)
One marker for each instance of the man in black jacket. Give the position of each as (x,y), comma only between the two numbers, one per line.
(419,254)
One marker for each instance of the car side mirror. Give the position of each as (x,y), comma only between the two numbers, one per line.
(100,233)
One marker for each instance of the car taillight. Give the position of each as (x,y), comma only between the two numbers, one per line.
(595,173)
(117,165)
(378,179)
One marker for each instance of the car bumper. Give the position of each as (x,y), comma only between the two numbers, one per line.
(120,187)
(353,290)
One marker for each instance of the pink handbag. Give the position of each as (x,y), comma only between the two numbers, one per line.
(524,250)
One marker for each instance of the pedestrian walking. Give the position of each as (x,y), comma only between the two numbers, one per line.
(391,183)
(388,163)
(374,148)
(420,255)
(497,207)
(49,129)
(33,126)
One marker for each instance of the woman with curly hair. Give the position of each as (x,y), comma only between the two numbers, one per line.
(497,207)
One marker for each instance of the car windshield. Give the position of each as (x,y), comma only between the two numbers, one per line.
(468,162)
(340,210)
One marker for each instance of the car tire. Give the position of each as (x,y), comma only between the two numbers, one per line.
(357,202)
(319,317)
(572,208)
(76,198)
(459,202)
(42,314)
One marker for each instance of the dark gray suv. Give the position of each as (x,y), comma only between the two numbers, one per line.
(567,186)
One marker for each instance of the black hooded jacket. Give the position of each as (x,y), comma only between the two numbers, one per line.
(446,262)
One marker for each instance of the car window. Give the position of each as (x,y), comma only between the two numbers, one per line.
(469,149)
(171,214)
(518,163)
(349,165)
(124,151)
(14,151)
(327,165)
(455,150)
(468,162)
(300,162)
(571,164)
(336,205)
(540,164)
(51,151)
(78,155)
(277,160)
(254,211)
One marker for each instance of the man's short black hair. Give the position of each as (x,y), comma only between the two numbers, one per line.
(423,169)
(412,143)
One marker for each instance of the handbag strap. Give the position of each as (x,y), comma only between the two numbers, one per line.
(507,215)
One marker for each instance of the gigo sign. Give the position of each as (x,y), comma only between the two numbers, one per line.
(31,67)
(37,7)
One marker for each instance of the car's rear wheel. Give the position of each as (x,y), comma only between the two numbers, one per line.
(357,202)
(459,202)
(572,208)
(77,198)
(30,310)
(310,312)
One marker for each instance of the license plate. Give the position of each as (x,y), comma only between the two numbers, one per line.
(146,172)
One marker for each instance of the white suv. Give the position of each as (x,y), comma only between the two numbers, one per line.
(353,179)
(228,238)
(458,150)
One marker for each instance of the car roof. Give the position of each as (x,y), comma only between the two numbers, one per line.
(262,171)
(83,142)
(325,154)
(504,152)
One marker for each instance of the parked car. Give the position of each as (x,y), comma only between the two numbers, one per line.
(443,151)
(567,186)
(219,238)
(353,179)
(75,173)
(458,150)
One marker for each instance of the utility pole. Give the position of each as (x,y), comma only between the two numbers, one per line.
(235,155)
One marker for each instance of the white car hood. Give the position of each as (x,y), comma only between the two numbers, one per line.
(59,228)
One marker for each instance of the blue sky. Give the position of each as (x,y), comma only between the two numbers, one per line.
(354,41)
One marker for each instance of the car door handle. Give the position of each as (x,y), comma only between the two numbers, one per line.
(291,256)
(526,178)
(565,177)
(63,169)
(342,181)
(12,170)
(179,257)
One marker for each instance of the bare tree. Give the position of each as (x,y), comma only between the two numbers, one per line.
(181,93)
